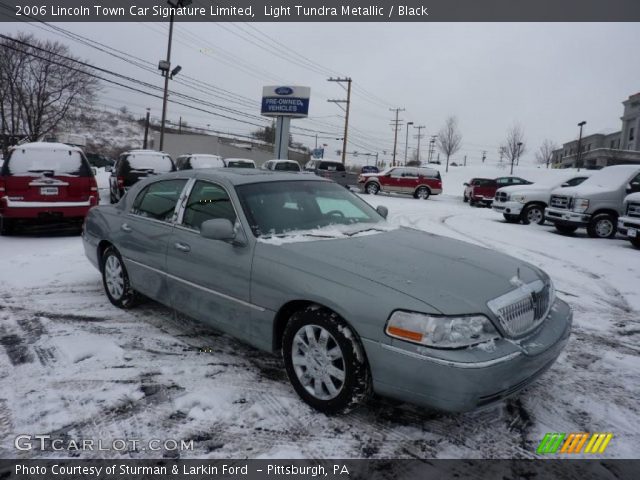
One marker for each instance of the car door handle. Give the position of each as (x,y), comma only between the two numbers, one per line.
(183,247)
(126,228)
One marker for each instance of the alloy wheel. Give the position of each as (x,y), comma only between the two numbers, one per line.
(114,277)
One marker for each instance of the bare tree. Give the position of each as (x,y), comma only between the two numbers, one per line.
(40,85)
(544,155)
(449,139)
(514,145)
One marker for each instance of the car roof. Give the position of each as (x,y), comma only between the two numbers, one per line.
(281,160)
(241,176)
(46,146)
(144,152)
(631,168)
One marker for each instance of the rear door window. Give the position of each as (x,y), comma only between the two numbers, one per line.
(158,200)
(32,161)
(147,163)
(287,167)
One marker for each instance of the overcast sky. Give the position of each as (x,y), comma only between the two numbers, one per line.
(547,77)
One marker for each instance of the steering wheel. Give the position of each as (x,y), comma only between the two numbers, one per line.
(335,213)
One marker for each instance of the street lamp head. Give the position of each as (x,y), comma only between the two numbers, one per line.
(409,123)
(582,123)
(175,71)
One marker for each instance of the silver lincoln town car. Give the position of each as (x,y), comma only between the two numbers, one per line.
(298,264)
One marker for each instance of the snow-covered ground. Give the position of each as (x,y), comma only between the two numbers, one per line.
(74,366)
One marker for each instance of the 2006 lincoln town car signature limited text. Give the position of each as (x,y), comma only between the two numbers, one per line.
(298,264)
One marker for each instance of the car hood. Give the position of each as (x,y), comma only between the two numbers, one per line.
(451,276)
(526,188)
(584,190)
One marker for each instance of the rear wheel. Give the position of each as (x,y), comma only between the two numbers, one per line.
(511,218)
(602,226)
(325,361)
(464,198)
(116,280)
(6,226)
(372,188)
(422,193)
(565,228)
(533,214)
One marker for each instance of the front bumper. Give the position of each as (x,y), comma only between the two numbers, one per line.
(482,199)
(566,217)
(464,379)
(629,226)
(510,208)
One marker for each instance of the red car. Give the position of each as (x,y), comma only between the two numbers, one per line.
(416,181)
(45,182)
(482,190)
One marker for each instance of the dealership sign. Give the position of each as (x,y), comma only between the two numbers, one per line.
(285,101)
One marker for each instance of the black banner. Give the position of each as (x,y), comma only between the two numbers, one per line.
(321,11)
(328,469)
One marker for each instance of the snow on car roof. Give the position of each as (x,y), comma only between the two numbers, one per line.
(46,146)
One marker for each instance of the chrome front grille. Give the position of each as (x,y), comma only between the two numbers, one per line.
(501,197)
(560,201)
(522,310)
(633,210)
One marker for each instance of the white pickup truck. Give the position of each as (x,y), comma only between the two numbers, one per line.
(526,203)
(629,223)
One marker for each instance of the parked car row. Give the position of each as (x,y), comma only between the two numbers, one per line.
(482,190)
(604,202)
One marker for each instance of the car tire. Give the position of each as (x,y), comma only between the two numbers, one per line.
(511,218)
(465,199)
(372,187)
(533,214)
(6,226)
(315,341)
(565,229)
(603,225)
(422,193)
(115,280)
(635,242)
(472,202)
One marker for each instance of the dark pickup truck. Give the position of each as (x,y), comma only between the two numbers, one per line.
(333,170)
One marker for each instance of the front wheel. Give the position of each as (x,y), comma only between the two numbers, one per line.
(635,242)
(602,226)
(325,362)
(566,229)
(372,188)
(533,214)
(6,226)
(422,193)
(511,218)
(116,280)
(465,199)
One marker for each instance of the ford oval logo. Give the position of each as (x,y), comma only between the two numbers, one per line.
(284,90)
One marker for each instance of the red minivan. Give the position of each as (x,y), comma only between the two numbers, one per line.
(417,181)
(45,183)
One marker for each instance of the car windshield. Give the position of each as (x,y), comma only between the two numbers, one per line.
(36,161)
(322,209)
(239,164)
(608,177)
(149,161)
(287,166)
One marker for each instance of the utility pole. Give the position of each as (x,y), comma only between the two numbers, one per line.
(146,129)
(465,160)
(396,126)
(484,155)
(180,125)
(419,136)
(406,144)
(432,147)
(581,124)
(346,116)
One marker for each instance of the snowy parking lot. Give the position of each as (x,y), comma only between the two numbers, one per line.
(74,366)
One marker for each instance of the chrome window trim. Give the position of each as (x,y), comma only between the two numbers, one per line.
(199,287)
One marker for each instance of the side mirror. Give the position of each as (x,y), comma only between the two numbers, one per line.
(565,184)
(382,210)
(217,229)
(465,184)
(108,168)
(633,187)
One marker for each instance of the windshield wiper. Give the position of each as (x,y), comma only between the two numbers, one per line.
(364,230)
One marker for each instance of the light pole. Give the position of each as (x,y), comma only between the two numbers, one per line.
(578,155)
(419,127)
(406,144)
(165,65)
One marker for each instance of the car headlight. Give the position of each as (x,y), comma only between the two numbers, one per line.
(580,205)
(518,198)
(441,331)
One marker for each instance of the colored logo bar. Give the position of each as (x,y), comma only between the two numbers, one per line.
(580,442)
